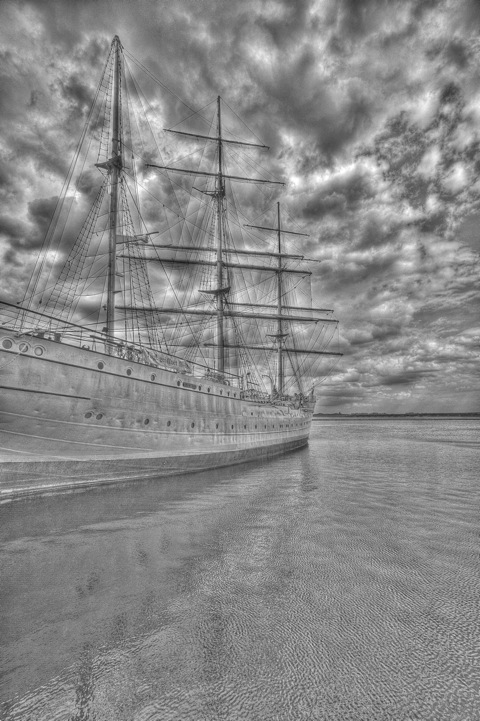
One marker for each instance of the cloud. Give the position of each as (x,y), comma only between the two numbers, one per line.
(341,192)
(40,212)
(372,112)
(12,227)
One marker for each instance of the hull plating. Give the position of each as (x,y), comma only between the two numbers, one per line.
(71,417)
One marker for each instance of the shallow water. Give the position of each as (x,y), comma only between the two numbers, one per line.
(338,582)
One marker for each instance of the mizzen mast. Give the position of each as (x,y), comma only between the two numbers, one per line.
(280,336)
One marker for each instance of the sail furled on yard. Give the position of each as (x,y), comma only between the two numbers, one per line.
(81,275)
(199,280)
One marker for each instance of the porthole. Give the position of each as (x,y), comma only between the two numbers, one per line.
(99,416)
(129,371)
(193,425)
(152,377)
(88,414)
(101,365)
(7,343)
(38,350)
(23,347)
(169,423)
(146,421)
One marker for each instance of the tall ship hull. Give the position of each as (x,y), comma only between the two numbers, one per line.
(75,417)
(139,353)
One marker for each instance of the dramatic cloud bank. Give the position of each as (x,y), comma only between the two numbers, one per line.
(372,111)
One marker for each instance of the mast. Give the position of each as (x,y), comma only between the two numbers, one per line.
(219,194)
(280,334)
(220,290)
(115,168)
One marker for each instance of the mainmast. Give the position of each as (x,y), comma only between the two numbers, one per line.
(115,166)
(220,290)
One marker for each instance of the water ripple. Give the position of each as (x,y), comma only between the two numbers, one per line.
(337,583)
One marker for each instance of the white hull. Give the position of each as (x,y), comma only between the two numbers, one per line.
(71,416)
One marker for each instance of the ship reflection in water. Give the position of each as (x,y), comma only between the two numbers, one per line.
(338,582)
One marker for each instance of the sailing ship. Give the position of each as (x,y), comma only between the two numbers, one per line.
(158,334)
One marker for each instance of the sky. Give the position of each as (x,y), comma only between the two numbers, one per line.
(372,112)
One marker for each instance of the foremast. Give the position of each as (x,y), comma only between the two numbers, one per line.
(115,165)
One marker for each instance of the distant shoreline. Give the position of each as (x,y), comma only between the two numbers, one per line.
(386,416)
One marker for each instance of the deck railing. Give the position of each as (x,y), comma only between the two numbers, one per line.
(26,322)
